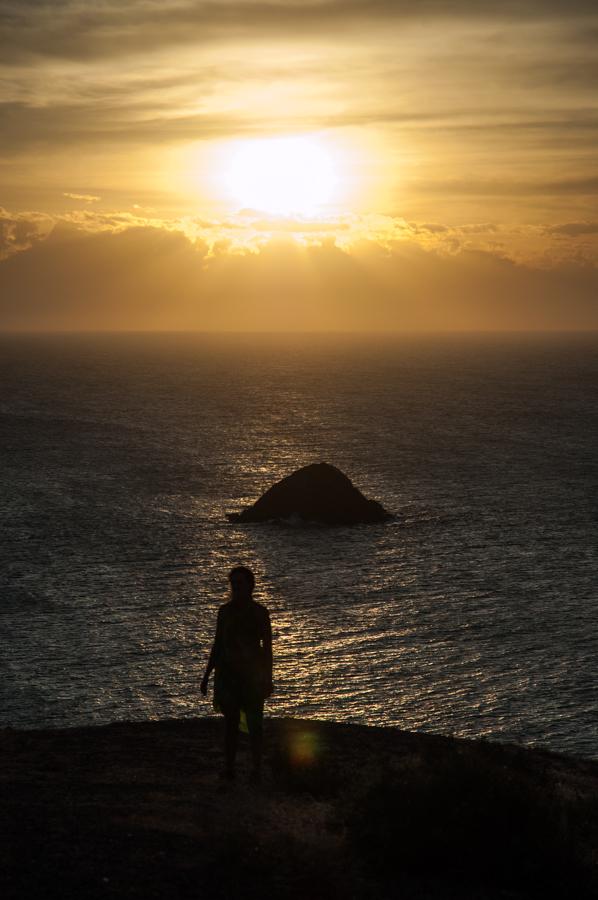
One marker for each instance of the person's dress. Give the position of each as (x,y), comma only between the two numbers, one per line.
(242,662)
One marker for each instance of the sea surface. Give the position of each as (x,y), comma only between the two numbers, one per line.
(473,613)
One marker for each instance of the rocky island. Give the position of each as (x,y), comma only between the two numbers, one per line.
(136,810)
(318,493)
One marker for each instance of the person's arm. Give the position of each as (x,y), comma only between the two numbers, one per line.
(267,646)
(213,657)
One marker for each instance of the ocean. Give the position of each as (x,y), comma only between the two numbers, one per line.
(473,613)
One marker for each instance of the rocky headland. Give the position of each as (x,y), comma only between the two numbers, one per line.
(137,810)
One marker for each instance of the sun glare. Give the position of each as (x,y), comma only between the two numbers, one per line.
(281,176)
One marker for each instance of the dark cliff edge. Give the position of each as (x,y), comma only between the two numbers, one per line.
(136,809)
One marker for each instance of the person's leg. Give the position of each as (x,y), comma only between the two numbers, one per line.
(231,738)
(255,718)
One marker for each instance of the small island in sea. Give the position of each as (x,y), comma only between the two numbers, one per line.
(137,810)
(318,493)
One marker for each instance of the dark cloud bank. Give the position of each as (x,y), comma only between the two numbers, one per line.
(152,278)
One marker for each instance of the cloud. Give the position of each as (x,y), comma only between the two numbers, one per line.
(249,231)
(513,187)
(254,220)
(87,198)
(579,71)
(118,273)
(573,229)
(65,124)
(503,92)
(68,29)
(114,279)
(19,232)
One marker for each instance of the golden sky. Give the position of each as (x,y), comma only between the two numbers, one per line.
(302,164)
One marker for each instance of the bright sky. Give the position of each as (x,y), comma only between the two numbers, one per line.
(355,156)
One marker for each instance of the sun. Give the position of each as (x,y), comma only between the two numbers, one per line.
(281,176)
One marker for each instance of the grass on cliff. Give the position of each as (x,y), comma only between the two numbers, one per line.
(136,810)
(478,816)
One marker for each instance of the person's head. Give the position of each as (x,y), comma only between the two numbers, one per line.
(242,582)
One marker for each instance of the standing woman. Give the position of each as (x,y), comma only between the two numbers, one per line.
(242,657)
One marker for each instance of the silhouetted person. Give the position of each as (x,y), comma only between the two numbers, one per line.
(242,657)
